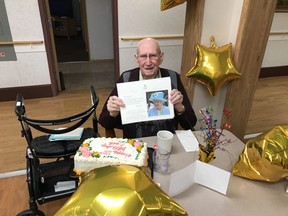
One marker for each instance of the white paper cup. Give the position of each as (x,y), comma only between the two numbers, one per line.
(164,141)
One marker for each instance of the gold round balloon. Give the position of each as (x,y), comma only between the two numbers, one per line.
(119,191)
(167,4)
(213,66)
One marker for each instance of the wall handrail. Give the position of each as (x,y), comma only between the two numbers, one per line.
(278,33)
(156,37)
(21,42)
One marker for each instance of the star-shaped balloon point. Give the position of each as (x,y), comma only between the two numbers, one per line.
(213,66)
(119,190)
(167,4)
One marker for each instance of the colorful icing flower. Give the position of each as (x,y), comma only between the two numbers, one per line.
(96,154)
(85,151)
(139,149)
(131,141)
(137,143)
(78,172)
(85,145)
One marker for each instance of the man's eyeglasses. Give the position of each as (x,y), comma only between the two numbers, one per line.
(143,57)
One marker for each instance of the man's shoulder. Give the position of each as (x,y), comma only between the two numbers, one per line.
(127,74)
(167,70)
(173,74)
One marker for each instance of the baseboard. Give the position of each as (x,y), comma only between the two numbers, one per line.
(273,71)
(250,136)
(13,173)
(28,92)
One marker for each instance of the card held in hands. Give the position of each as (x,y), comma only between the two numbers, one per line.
(145,100)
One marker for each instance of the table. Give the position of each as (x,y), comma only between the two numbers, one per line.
(244,197)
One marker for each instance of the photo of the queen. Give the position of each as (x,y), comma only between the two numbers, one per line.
(158,104)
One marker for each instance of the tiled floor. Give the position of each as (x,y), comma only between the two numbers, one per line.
(80,75)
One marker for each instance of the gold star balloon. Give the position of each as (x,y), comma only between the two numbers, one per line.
(167,4)
(119,191)
(213,66)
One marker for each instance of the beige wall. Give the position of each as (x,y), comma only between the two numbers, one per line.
(144,19)
(99,21)
(277,46)
(220,21)
(31,67)
(137,18)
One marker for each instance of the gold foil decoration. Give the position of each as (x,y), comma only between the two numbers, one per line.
(167,4)
(213,66)
(206,155)
(119,191)
(265,157)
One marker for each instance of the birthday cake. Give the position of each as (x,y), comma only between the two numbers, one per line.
(101,151)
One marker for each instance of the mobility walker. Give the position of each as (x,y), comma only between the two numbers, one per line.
(50,164)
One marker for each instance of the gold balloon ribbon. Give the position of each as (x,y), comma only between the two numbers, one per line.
(205,155)
(119,191)
(167,4)
(213,66)
(265,157)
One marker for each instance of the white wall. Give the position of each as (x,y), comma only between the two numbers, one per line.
(220,21)
(31,67)
(136,18)
(99,13)
(144,19)
(277,47)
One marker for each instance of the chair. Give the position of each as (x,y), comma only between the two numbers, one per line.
(50,164)
(110,132)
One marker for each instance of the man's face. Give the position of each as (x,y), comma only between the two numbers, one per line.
(149,58)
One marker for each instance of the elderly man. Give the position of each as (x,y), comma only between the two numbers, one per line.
(149,58)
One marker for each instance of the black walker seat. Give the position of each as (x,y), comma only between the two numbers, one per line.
(51,162)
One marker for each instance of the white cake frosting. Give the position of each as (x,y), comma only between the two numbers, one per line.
(101,151)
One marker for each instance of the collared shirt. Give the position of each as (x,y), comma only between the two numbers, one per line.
(158,75)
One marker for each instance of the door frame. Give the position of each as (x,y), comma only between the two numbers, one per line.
(85,35)
(50,45)
(115,33)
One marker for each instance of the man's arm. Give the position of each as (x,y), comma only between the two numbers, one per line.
(185,114)
(110,119)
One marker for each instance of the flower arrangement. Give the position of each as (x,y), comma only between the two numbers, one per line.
(212,135)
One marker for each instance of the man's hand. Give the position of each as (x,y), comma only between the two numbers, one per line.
(113,105)
(176,98)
